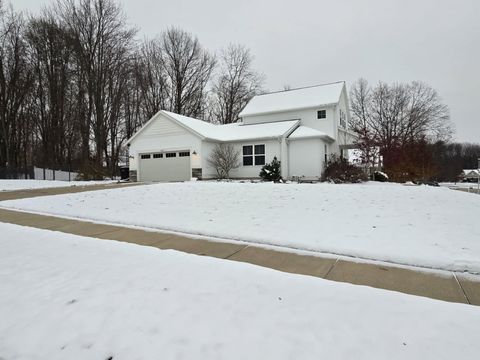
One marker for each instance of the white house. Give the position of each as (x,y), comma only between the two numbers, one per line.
(301,127)
(470,175)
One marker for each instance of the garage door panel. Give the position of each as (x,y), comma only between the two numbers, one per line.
(167,166)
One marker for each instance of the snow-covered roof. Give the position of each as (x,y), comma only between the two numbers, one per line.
(235,131)
(303,98)
(471,171)
(303,132)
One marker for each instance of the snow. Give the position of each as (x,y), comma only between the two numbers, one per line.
(303,132)
(71,297)
(473,171)
(424,226)
(303,98)
(460,185)
(235,131)
(11,185)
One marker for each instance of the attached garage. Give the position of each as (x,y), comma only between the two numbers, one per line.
(165,166)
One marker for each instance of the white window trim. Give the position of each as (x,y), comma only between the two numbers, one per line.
(325,118)
(254,154)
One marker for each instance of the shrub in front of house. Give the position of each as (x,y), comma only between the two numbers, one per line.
(339,170)
(380,176)
(224,158)
(271,171)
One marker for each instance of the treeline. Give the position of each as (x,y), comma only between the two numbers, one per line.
(406,129)
(447,160)
(76,82)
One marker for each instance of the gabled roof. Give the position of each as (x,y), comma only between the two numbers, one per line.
(305,132)
(295,99)
(229,132)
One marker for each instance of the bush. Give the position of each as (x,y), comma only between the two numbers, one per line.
(223,159)
(271,172)
(339,170)
(380,176)
(91,171)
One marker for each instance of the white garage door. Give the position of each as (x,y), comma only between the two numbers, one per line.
(165,166)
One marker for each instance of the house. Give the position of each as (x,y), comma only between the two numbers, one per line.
(470,175)
(301,127)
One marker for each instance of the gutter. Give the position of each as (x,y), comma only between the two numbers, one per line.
(287,110)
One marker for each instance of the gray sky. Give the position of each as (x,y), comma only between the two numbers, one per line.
(300,42)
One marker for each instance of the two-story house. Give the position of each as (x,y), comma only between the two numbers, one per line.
(301,127)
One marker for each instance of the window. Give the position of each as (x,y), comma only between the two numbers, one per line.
(259,154)
(248,155)
(170,155)
(145,156)
(326,153)
(321,114)
(184,153)
(343,119)
(254,155)
(157,156)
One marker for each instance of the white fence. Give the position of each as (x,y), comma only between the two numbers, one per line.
(54,174)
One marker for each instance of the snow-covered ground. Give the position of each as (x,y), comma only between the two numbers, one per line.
(11,185)
(70,297)
(461,185)
(411,225)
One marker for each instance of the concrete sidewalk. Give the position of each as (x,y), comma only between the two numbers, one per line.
(446,286)
(23,194)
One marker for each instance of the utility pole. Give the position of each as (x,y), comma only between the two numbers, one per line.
(478,176)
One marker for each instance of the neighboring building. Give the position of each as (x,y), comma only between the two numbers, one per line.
(301,127)
(470,175)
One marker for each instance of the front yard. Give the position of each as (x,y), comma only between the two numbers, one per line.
(14,185)
(412,225)
(69,297)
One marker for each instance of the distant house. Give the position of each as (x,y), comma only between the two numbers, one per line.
(470,175)
(301,127)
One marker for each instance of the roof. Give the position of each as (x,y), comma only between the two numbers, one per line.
(228,132)
(304,132)
(302,98)
(471,171)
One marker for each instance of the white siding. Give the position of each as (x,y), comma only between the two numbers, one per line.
(308,118)
(272,149)
(162,134)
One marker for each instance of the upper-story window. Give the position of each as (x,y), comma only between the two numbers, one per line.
(343,119)
(321,114)
(254,155)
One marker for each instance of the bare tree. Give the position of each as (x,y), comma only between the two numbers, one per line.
(50,57)
(103,44)
(224,158)
(188,67)
(15,87)
(393,117)
(236,83)
(152,78)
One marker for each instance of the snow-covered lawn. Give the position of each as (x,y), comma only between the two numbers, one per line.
(461,185)
(70,297)
(412,225)
(11,185)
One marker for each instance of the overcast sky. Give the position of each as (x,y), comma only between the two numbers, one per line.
(300,42)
